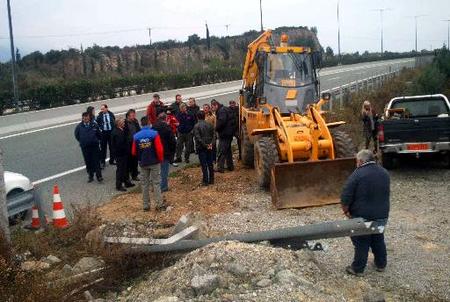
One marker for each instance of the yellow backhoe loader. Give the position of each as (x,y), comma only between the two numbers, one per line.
(303,159)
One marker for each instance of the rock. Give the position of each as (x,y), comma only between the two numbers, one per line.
(34,265)
(374,296)
(264,283)
(67,269)
(86,264)
(235,269)
(204,284)
(184,222)
(50,259)
(286,277)
(198,270)
(95,237)
(88,296)
(167,299)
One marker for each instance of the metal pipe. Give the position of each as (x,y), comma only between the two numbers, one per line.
(334,229)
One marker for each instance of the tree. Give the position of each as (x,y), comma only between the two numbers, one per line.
(193,40)
(314,30)
(18,57)
(329,52)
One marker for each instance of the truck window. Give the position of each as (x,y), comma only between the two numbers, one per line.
(421,107)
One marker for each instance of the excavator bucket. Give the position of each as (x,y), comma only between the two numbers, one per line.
(309,183)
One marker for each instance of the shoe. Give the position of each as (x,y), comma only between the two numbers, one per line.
(164,190)
(187,160)
(112,163)
(129,185)
(178,160)
(174,164)
(102,165)
(349,270)
(380,269)
(211,182)
(135,178)
(220,171)
(146,208)
(231,169)
(121,189)
(205,184)
(90,179)
(100,179)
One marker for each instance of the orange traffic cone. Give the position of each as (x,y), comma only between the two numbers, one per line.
(59,216)
(35,221)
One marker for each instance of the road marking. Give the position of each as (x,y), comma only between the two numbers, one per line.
(76,122)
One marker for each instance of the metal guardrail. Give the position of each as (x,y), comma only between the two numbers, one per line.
(20,202)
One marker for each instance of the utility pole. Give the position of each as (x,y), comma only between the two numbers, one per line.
(4,223)
(339,34)
(448,33)
(415,28)
(13,58)
(381,10)
(226,26)
(260,12)
(150,35)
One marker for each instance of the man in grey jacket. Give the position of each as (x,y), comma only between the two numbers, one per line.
(204,137)
(366,195)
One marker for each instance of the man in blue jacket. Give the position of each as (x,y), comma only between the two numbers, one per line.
(149,150)
(366,195)
(87,134)
(185,136)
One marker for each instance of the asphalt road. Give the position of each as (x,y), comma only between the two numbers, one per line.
(41,144)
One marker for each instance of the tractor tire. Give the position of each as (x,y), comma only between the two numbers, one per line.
(266,155)
(343,144)
(247,148)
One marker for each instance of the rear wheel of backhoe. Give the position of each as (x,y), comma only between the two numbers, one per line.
(343,144)
(247,148)
(266,155)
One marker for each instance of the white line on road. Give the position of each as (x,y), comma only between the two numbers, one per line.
(76,122)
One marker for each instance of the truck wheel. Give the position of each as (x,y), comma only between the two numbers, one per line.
(387,161)
(266,155)
(247,148)
(343,144)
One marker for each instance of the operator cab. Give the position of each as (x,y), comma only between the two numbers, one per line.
(289,79)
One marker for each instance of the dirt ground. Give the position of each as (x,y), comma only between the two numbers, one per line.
(186,195)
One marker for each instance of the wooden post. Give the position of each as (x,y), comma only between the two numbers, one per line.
(4,222)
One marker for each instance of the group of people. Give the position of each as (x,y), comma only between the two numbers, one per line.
(163,135)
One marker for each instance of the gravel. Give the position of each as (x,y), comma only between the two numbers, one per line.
(417,239)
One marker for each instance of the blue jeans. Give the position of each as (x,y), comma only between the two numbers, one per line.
(362,245)
(206,161)
(164,175)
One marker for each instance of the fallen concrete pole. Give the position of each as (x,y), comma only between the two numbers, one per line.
(285,236)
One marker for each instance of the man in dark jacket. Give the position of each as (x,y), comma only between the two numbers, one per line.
(366,195)
(131,128)
(193,108)
(175,106)
(169,145)
(148,148)
(226,128)
(235,109)
(184,141)
(120,146)
(88,134)
(204,137)
(106,121)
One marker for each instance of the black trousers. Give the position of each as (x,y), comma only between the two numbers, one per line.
(122,175)
(105,143)
(184,141)
(205,158)
(92,160)
(225,154)
(132,165)
(362,245)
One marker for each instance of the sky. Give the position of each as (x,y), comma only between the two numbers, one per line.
(59,24)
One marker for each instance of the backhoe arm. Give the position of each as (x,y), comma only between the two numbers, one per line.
(250,72)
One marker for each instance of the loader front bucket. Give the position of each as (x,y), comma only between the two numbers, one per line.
(309,183)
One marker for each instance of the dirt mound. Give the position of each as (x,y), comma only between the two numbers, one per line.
(186,195)
(232,271)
